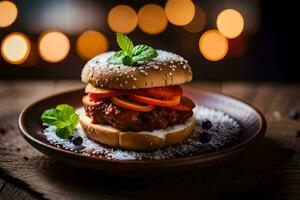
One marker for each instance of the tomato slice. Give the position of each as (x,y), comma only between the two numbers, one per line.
(168,91)
(185,104)
(148,100)
(123,103)
(86,100)
(98,93)
(165,92)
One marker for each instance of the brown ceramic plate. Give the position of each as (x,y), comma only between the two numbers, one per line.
(251,120)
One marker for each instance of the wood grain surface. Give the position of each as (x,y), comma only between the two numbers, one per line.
(271,169)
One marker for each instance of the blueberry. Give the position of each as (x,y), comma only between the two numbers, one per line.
(76,140)
(294,114)
(206,124)
(204,137)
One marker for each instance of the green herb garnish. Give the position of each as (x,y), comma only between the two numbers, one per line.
(131,54)
(63,117)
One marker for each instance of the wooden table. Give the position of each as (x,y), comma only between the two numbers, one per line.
(270,169)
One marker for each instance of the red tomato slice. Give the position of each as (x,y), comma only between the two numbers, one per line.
(123,103)
(147,100)
(185,104)
(168,91)
(100,93)
(86,100)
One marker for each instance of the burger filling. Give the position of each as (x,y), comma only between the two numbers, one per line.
(139,109)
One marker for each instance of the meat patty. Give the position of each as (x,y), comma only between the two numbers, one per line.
(105,112)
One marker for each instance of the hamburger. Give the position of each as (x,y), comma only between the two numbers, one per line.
(134,100)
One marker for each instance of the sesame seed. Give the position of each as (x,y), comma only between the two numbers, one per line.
(173,69)
(135,78)
(126,82)
(160,69)
(133,87)
(121,85)
(127,76)
(131,75)
(170,73)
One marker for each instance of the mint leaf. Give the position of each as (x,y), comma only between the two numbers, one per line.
(125,43)
(66,111)
(139,49)
(74,119)
(60,124)
(143,52)
(116,58)
(127,60)
(63,133)
(63,117)
(49,116)
(131,54)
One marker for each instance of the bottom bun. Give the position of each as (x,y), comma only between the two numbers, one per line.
(140,141)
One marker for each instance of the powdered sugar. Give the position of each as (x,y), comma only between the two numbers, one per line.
(101,60)
(224,132)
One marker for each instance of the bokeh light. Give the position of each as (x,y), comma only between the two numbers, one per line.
(198,22)
(15,48)
(53,46)
(230,23)
(152,19)
(122,18)
(213,45)
(91,43)
(8,13)
(180,12)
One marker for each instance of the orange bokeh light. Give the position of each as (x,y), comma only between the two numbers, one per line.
(122,18)
(180,12)
(15,48)
(213,45)
(91,43)
(230,23)
(152,19)
(53,46)
(198,22)
(8,13)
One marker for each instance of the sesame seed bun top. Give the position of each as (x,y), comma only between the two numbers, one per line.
(164,70)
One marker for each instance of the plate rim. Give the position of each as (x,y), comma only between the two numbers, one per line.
(200,158)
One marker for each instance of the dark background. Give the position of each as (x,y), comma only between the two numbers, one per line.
(271,53)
